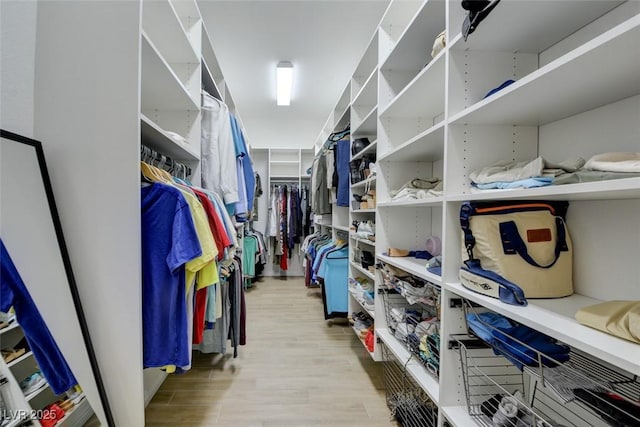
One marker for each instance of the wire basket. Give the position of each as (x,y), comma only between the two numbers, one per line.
(510,382)
(412,310)
(409,404)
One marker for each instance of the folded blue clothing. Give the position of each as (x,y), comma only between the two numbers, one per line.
(435,270)
(523,183)
(478,324)
(420,254)
(499,88)
(508,344)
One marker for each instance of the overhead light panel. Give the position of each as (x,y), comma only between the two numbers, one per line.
(284,82)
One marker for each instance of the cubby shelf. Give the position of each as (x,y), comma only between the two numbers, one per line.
(156,138)
(554,317)
(209,83)
(415,266)
(500,32)
(576,93)
(368,93)
(368,149)
(428,84)
(572,84)
(364,182)
(20,359)
(359,301)
(161,88)
(426,202)
(362,341)
(368,125)
(161,22)
(426,146)
(367,273)
(361,240)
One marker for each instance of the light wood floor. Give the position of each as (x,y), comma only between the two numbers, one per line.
(296,370)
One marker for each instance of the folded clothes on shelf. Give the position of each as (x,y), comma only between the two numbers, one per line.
(618,318)
(615,162)
(418,188)
(508,174)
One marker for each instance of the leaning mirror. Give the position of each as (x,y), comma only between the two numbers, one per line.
(48,373)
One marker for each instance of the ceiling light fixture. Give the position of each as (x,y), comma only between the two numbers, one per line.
(284,82)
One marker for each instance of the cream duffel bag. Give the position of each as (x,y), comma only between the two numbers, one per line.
(516,250)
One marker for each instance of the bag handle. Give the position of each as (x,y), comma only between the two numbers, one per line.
(513,243)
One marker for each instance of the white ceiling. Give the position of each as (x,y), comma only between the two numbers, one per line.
(324,39)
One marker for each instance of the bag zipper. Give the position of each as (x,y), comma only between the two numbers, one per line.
(525,205)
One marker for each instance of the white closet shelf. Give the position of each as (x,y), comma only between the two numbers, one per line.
(343,119)
(368,95)
(368,126)
(358,267)
(363,210)
(365,150)
(33,394)
(555,317)
(572,84)
(427,23)
(161,88)
(362,341)
(426,146)
(361,240)
(20,359)
(501,32)
(459,416)
(411,265)
(370,180)
(419,373)
(78,412)
(11,327)
(423,96)
(370,312)
(153,136)
(615,189)
(426,202)
(341,228)
(161,22)
(208,82)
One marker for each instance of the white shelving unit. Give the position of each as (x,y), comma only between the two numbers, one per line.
(19,369)
(576,93)
(155,57)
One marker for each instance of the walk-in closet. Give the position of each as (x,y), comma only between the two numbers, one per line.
(380,213)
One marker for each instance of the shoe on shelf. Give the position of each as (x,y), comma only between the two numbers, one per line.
(11,354)
(32,383)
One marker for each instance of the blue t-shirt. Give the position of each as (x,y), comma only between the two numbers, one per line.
(169,240)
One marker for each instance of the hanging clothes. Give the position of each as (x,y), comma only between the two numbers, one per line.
(343,154)
(185,231)
(14,293)
(335,292)
(245,168)
(166,219)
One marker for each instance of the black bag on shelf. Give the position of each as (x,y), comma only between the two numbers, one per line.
(358,145)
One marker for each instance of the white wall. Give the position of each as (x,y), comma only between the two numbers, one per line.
(17,57)
(87,102)
(297,134)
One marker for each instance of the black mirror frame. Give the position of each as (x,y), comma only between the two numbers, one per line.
(37,145)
